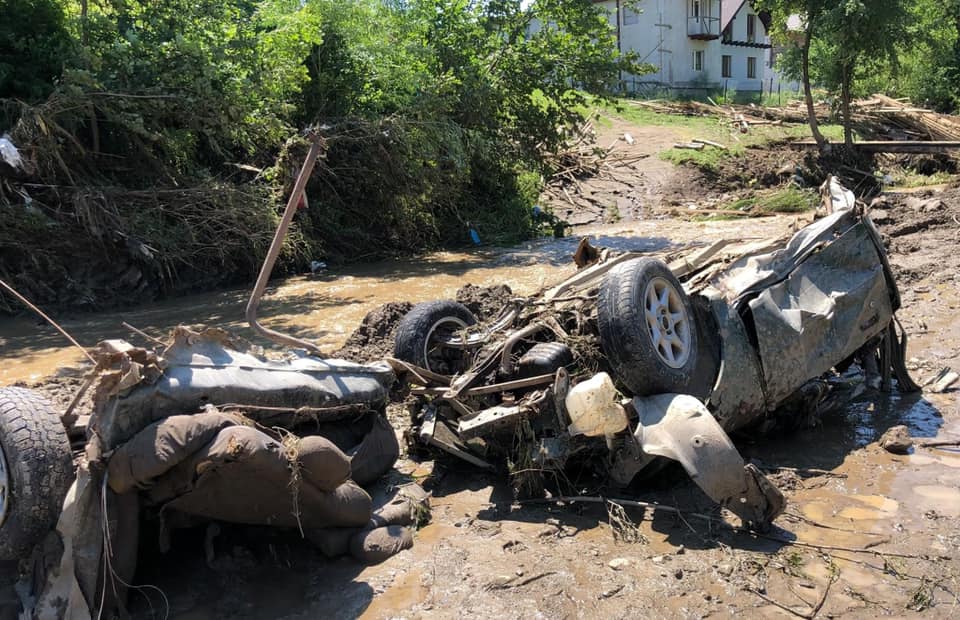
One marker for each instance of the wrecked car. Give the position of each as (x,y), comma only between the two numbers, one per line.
(633,359)
(199,430)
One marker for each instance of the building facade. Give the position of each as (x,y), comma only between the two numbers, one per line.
(695,44)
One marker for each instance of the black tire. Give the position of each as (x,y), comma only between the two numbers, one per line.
(544,358)
(627,340)
(415,336)
(39,468)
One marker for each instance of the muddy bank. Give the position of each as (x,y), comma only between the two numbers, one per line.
(917,227)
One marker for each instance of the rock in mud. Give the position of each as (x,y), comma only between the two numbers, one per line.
(485,302)
(897,440)
(618,563)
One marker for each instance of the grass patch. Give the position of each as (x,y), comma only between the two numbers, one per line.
(909,179)
(708,159)
(786,200)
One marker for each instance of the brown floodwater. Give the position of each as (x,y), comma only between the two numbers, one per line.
(870,498)
(325,309)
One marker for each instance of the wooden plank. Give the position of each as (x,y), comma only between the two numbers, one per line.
(891,146)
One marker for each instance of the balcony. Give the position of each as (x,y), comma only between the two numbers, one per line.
(703,28)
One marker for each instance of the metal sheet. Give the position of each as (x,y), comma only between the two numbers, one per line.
(680,427)
(826,309)
(737,399)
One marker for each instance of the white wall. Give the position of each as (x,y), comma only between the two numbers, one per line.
(739,54)
(660,38)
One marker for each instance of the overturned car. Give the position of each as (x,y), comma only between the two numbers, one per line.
(629,361)
(734,336)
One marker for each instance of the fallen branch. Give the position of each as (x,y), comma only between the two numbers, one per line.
(716,145)
(940,444)
(809,615)
(62,331)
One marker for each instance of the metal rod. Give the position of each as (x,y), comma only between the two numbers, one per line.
(506,360)
(62,331)
(251,313)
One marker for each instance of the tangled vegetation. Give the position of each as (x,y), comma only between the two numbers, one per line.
(160,139)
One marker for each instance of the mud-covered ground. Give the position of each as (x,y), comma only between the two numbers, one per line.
(866,532)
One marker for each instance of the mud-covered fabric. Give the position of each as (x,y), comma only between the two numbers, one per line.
(376,453)
(160,447)
(201,369)
(376,545)
(245,476)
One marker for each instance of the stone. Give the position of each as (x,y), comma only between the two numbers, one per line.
(897,440)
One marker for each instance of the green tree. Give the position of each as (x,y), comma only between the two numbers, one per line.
(854,36)
(843,41)
(35,43)
(795,62)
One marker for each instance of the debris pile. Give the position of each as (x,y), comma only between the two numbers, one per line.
(583,159)
(899,119)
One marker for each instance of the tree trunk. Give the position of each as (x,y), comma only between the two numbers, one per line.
(807,91)
(83,22)
(845,103)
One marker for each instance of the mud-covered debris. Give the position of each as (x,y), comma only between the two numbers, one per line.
(485,302)
(373,340)
(897,440)
(618,563)
(944,382)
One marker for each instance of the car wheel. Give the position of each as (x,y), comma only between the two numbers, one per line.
(544,358)
(419,333)
(646,328)
(36,469)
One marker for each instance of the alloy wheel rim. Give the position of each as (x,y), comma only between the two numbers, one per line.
(667,322)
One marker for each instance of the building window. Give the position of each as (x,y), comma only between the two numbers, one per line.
(630,17)
(695,8)
(727,66)
(698,61)
(752,67)
(751,28)
(728,33)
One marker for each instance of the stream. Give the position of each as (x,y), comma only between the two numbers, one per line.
(327,308)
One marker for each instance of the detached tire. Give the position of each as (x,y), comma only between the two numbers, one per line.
(36,469)
(646,328)
(416,340)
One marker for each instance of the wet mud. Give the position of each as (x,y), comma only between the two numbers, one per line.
(866,532)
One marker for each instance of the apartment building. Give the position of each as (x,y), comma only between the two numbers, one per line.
(695,44)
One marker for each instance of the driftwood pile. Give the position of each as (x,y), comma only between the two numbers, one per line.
(878,116)
(582,158)
(900,117)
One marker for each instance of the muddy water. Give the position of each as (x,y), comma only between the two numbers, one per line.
(326,309)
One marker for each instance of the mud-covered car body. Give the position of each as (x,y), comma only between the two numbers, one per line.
(770,321)
(201,429)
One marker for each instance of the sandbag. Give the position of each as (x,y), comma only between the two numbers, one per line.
(376,545)
(243,476)
(160,447)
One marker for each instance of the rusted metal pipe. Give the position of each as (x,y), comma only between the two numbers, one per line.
(316,147)
(506,359)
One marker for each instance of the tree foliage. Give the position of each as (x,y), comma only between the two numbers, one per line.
(438,114)
(843,43)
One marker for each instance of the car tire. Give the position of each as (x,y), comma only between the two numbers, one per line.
(543,358)
(647,329)
(36,470)
(417,331)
